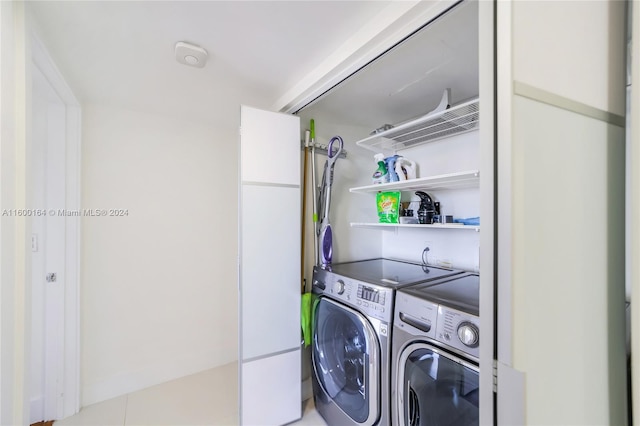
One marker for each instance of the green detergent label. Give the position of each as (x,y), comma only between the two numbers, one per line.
(388,206)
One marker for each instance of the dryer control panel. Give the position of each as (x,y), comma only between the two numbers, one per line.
(415,316)
(459,330)
(370,299)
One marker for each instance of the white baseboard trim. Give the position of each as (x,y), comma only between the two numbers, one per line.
(132,381)
(36,410)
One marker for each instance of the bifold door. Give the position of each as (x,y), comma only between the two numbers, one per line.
(269,268)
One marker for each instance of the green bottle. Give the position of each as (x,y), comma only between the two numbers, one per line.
(381,175)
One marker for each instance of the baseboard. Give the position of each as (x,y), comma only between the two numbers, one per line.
(132,381)
(36,410)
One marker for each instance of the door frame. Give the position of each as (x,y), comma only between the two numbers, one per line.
(633,231)
(70,310)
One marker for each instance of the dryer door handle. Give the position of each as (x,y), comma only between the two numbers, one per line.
(420,325)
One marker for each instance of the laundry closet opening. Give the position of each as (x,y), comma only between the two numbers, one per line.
(420,101)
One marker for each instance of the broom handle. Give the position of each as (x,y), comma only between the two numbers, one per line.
(304,209)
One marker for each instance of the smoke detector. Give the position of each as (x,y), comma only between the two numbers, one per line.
(190,54)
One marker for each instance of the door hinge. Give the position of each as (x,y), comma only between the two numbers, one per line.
(495,376)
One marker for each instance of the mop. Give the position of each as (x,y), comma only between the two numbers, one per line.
(325,234)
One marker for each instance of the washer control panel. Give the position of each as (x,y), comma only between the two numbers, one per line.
(370,299)
(459,330)
(371,294)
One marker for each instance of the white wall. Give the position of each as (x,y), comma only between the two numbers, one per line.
(13,261)
(447,247)
(158,295)
(37,364)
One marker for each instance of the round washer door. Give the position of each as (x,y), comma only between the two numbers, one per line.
(346,356)
(436,388)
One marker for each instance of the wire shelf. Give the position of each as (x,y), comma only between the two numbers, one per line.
(415,225)
(459,119)
(460,180)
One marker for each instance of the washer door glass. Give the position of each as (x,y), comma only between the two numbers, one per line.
(344,349)
(436,388)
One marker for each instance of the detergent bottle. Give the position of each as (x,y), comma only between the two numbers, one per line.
(405,169)
(381,175)
(391,167)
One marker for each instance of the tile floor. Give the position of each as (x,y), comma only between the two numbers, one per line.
(207,398)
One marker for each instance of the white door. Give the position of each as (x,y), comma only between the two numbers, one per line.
(269,268)
(53,199)
(560,105)
(48,250)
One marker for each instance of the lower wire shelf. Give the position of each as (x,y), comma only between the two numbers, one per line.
(416,225)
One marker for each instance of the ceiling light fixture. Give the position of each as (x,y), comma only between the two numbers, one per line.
(190,54)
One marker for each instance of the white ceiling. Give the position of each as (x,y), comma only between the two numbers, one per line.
(121,53)
(409,80)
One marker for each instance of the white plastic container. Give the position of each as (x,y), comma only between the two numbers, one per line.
(405,168)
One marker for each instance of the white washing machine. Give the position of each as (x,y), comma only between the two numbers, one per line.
(352,324)
(436,338)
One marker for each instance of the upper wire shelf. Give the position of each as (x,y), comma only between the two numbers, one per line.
(456,120)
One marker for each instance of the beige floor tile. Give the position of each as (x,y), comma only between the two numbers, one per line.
(206,398)
(106,413)
(225,398)
(310,416)
(229,421)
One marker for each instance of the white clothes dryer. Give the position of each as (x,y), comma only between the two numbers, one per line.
(436,338)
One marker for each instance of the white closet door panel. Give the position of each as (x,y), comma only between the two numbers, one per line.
(276,390)
(270,270)
(272,155)
(573,49)
(568,235)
